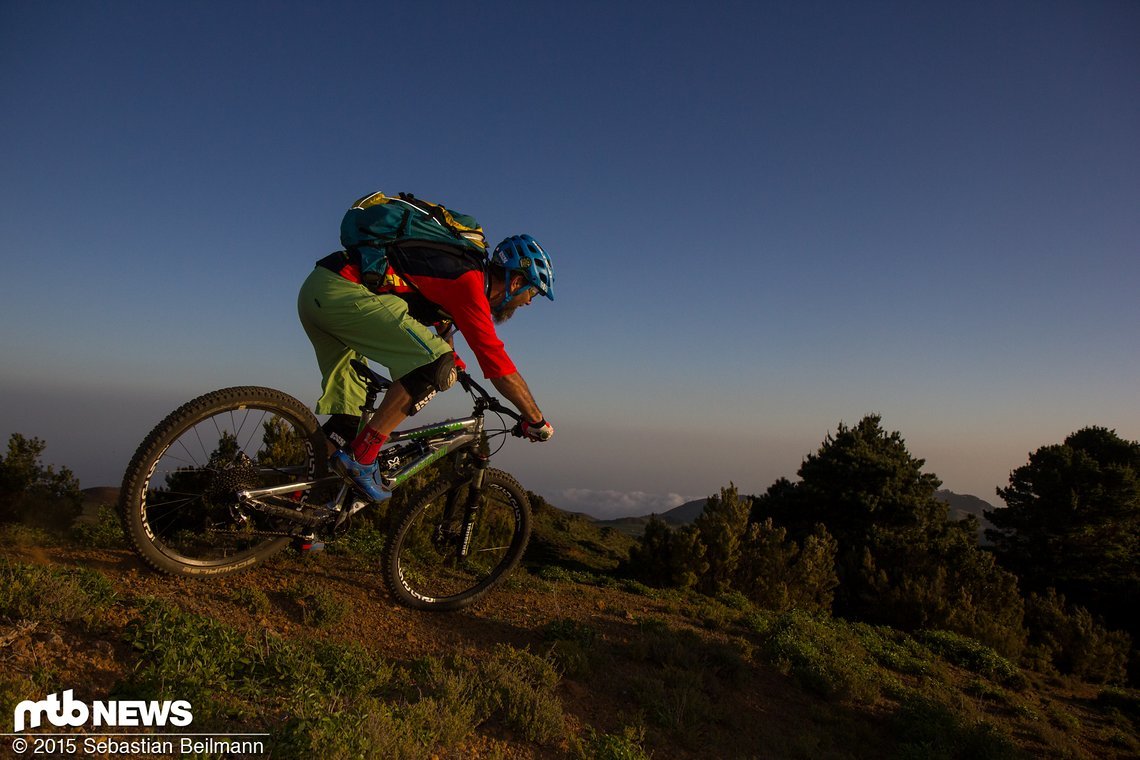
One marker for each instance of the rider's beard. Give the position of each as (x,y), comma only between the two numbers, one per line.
(503,314)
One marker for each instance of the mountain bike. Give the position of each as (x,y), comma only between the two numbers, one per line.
(237,475)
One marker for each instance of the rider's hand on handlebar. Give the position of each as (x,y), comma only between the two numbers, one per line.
(535,431)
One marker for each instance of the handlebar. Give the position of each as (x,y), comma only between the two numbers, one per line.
(485,400)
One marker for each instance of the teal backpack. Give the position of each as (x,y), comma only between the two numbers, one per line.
(376,222)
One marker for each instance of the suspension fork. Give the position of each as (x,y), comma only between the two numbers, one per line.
(480,462)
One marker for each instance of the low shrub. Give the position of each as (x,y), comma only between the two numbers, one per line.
(518,688)
(626,745)
(824,655)
(318,605)
(975,657)
(104,532)
(1068,639)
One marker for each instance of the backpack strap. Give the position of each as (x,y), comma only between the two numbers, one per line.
(436,212)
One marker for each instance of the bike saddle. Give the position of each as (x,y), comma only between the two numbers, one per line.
(374,380)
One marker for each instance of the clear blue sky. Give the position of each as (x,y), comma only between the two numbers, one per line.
(766,218)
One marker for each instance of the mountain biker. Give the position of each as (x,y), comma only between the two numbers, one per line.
(348,315)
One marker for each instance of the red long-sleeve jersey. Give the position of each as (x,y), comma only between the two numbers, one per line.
(439,285)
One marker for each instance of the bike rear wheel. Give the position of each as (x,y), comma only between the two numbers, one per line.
(179,502)
(422,565)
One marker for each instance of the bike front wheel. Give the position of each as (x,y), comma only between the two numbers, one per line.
(180,502)
(423,562)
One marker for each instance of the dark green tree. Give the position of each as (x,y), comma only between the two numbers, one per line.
(779,574)
(282,444)
(1072,522)
(667,557)
(721,527)
(33,493)
(1065,637)
(901,561)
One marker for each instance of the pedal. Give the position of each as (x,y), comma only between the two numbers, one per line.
(308,544)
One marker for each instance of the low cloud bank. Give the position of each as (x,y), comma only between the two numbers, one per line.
(611,504)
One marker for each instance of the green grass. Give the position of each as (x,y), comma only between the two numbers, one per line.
(626,745)
(338,700)
(318,606)
(35,592)
(253,600)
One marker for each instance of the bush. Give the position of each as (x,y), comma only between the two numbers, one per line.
(319,606)
(823,654)
(105,532)
(667,557)
(929,730)
(975,657)
(571,646)
(1068,639)
(624,746)
(34,494)
(779,574)
(898,651)
(518,687)
(253,600)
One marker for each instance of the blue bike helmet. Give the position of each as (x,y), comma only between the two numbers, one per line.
(523,254)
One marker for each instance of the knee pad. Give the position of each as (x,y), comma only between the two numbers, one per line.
(424,382)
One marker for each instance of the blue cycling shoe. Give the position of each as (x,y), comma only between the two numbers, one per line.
(366,477)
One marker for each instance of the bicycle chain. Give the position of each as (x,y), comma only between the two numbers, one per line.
(254,533)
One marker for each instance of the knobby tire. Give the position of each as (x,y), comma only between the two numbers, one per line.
(178,504)
(427,575)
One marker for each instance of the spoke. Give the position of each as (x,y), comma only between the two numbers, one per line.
(259,425)
(189,497)
(192,459)
(201,443)
(174,458)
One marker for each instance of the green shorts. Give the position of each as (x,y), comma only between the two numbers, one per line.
(345,321)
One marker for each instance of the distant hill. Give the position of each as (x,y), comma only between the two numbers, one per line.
(686,513)
(960,505)
(94,499)
(635,526)
(101,495)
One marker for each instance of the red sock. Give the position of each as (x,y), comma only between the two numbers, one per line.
(367,445)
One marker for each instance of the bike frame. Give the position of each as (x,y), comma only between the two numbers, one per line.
(437,441)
